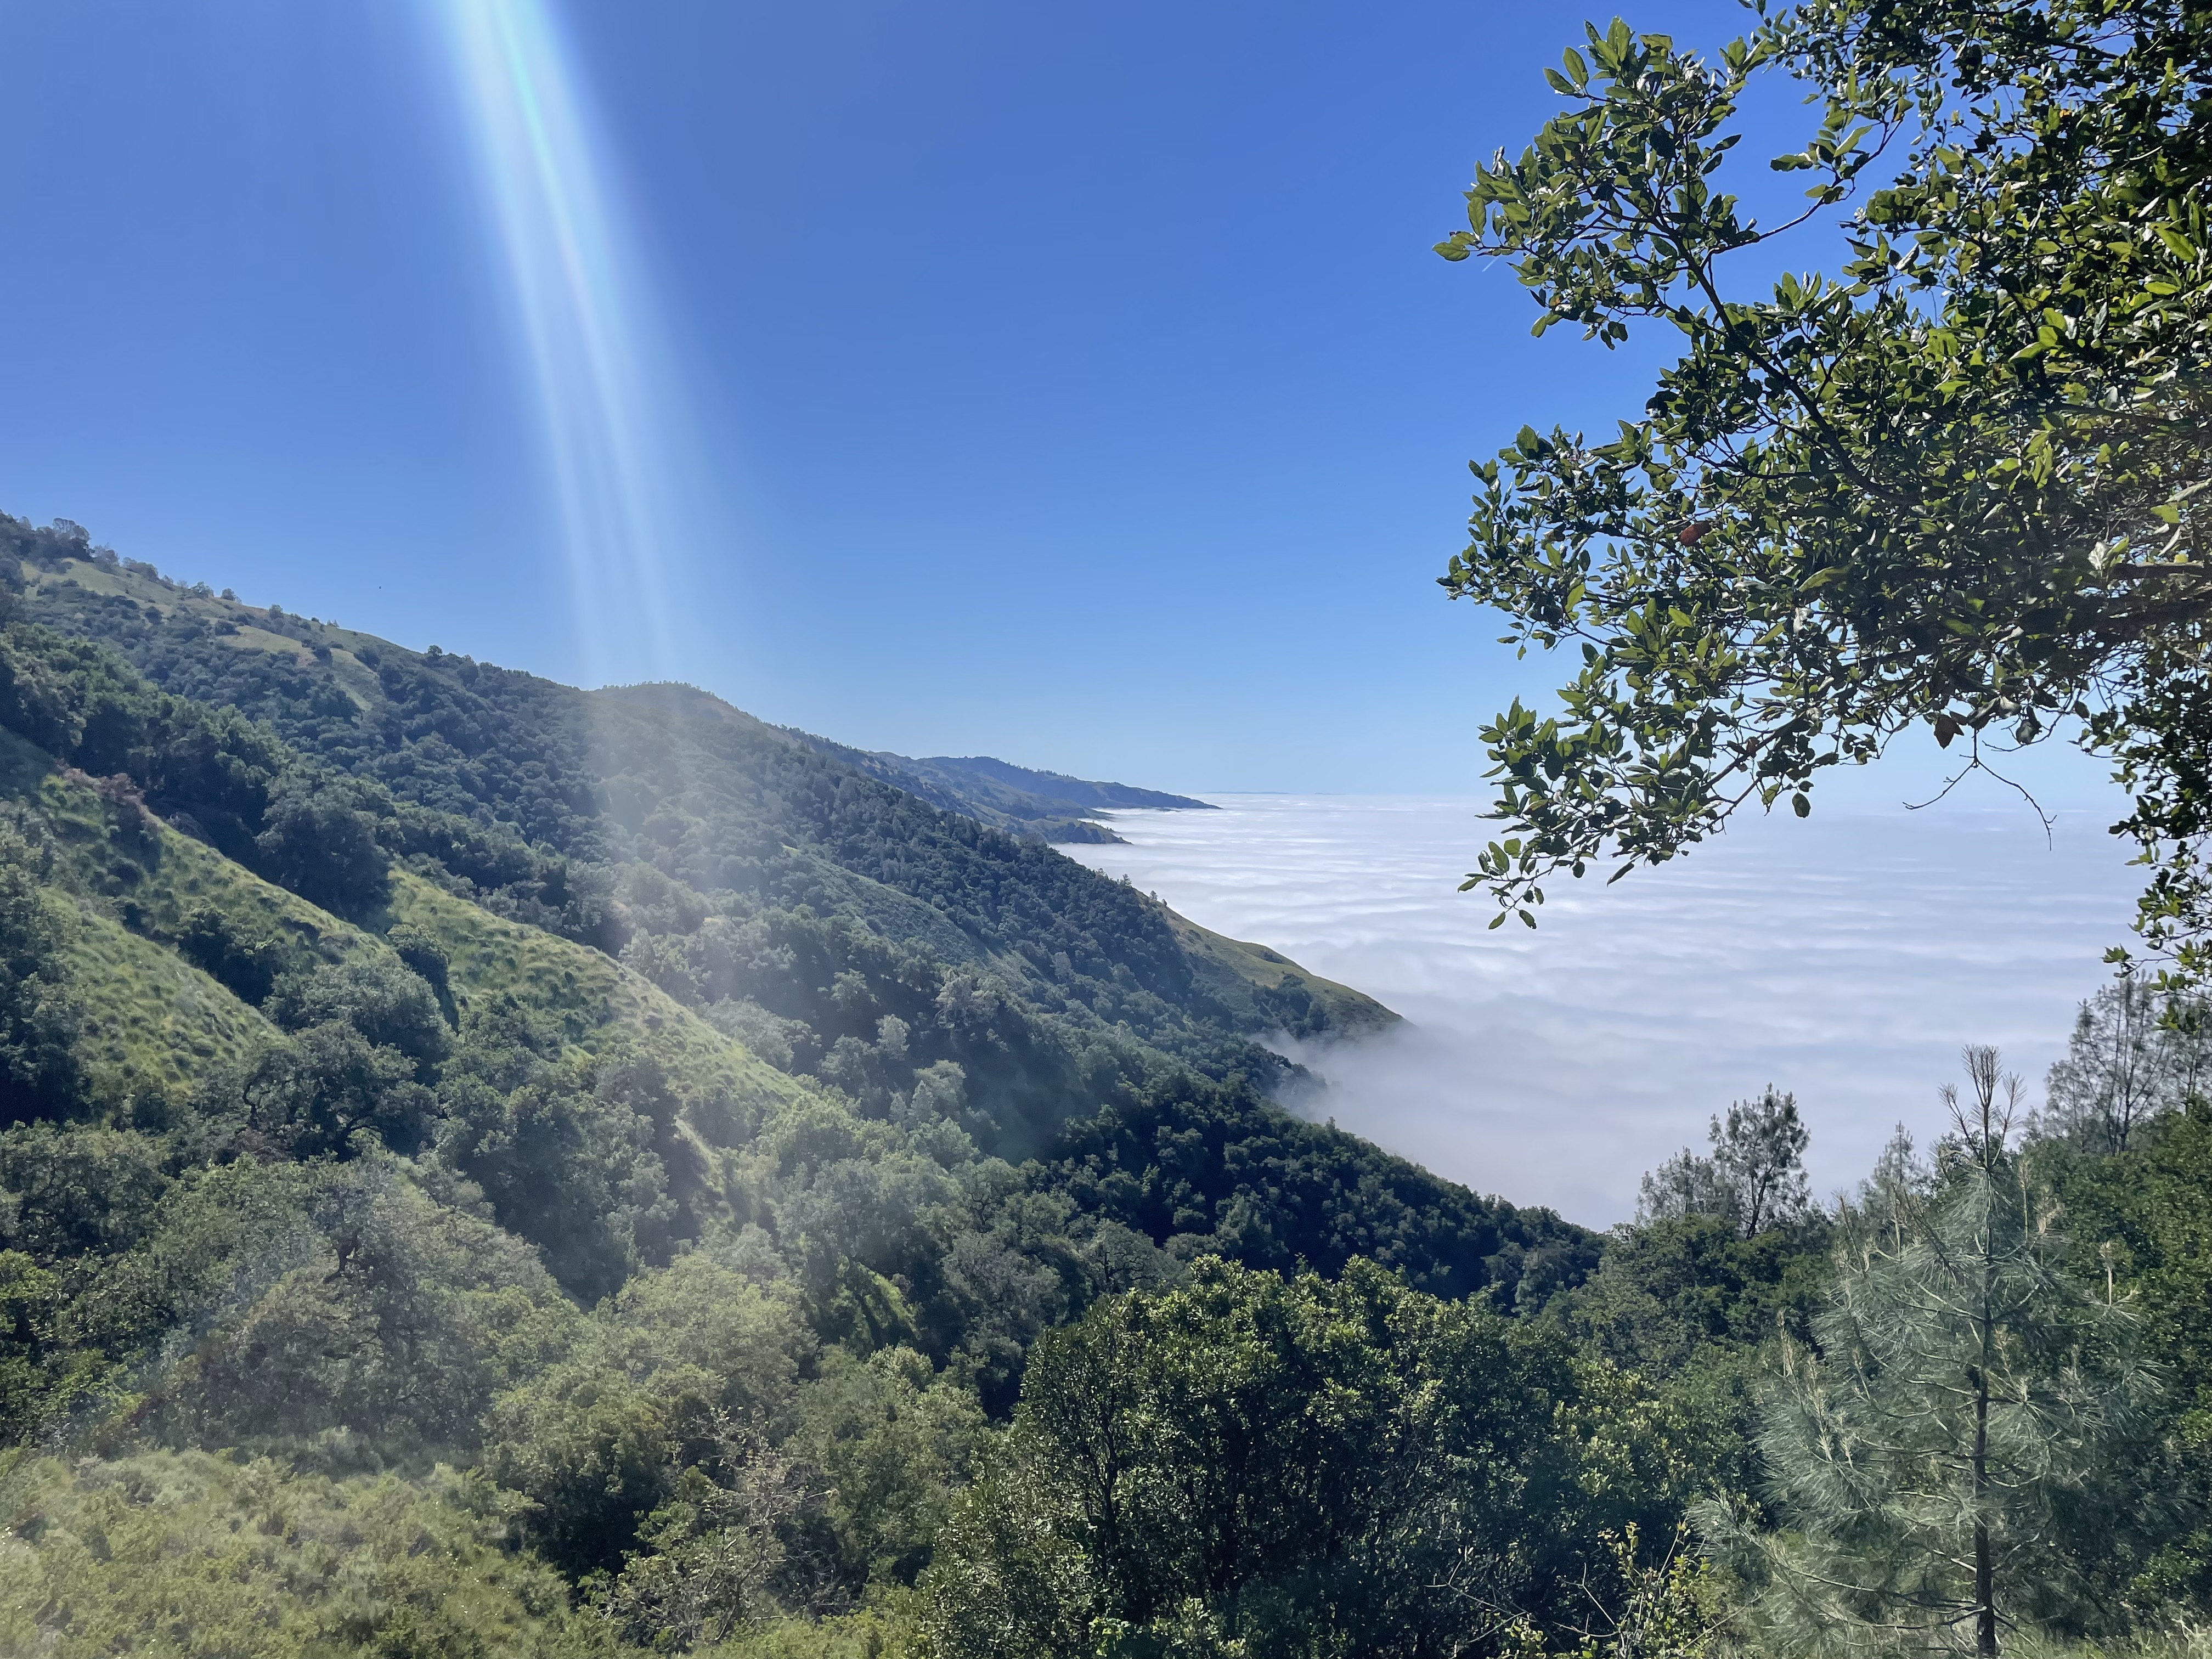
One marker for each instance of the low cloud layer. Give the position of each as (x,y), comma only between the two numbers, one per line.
(1846,958)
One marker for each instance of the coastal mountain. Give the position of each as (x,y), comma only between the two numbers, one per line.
(410,1066)
(1047,806)
(1059,787)
(487,1167)
(674,778)
(827,926)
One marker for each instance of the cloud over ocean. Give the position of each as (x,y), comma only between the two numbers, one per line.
(1846,958)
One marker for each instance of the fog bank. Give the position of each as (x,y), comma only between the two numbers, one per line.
(1846,958)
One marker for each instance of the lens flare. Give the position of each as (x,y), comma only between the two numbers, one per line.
(614,422)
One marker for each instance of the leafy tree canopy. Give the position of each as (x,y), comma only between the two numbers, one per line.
(1956,482)
(1249,1463)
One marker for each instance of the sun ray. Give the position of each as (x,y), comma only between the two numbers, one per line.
(587,323)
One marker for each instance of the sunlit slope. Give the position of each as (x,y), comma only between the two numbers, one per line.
(674,777)
(134,890)
(1240,975)
(690,760)
(151,1021)
(870,1008)
(593,997)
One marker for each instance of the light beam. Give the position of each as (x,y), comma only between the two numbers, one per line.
(613,414)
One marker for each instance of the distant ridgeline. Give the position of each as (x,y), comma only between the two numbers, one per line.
(1048,806)
(783,913)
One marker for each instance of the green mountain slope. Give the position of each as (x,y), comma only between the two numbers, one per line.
(487,1168)
(678,779)
(138,892)
(849,936)
(408,1067)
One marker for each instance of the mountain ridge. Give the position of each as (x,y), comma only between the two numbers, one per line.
(1047,806)
(1073,791)
(528,763)
(816,924)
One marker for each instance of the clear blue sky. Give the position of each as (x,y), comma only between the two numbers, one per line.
(1075,380)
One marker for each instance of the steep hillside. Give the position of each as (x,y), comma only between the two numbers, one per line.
(182,954)
(1057,786)
(169,940)
(409,1066)
(701,882)
(678,779)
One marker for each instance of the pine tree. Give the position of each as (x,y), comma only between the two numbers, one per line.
(1951,1464)
(2135,1057)
(1755,1177)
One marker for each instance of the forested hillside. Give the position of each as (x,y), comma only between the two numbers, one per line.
(407,1081)
(493,1169)
(488,1168)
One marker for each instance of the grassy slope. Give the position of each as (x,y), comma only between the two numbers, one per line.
(1227,966)
(171,1553)
(154,1019)
(1170,1155)
(595,997)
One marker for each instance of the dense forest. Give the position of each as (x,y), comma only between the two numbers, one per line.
(492,1169)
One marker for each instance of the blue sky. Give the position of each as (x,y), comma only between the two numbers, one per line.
(1072,383)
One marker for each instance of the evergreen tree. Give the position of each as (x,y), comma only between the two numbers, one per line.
(39,1076)
(2134,1056)
(1952,1462)
(1755,1178)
